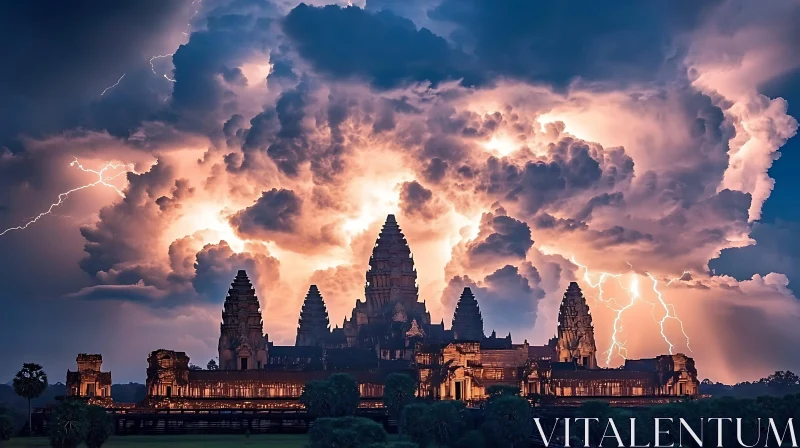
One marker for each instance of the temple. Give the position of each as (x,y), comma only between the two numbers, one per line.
(89,381)
(575,331)
(467,319)
(389,331)
(313,328)
(242,344)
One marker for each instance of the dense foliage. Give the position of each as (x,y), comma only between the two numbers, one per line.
(412,423)
(777,384)
(442,423)
(6,427)
(345,432)
(398,391)
(68,424)
(507,421)
(99,426)
(338,396)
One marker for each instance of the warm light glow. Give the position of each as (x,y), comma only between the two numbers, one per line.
(206,217)
(256,73)
(501,145)
(572,125)
(378,196)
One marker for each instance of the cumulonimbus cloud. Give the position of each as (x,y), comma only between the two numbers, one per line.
(274,155)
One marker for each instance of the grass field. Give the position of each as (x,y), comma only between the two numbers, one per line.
(182,441)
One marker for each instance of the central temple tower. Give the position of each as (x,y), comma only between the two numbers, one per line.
(391,277)
(575,330)
(391,307)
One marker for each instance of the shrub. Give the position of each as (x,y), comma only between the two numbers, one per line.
(338,396)
(67,426)
(99,426)
(345,432)
(508,421)
(6,427)
(445,422)
(398,391)
(411,423)
(472,439)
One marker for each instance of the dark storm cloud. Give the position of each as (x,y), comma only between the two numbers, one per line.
(181,191)
(116,237)
(435,170)
(217,265)
(414,199)
(279,131)
(605,199)
(382,48)
(573,166)
(199,99)
(559,41)
(503,290)
(59,56)
(500,237)
(275,211)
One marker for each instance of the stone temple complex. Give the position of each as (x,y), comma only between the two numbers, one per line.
(390,330)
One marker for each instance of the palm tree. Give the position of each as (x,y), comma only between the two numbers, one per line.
(29,383)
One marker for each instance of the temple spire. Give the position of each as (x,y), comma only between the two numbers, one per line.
(242,343)
(313,327)
(391,277)
(467,319)
(575,330)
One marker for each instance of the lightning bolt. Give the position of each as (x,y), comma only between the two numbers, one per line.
(111,87)
(632,289)
(102,179)
(669,312)
(185,33)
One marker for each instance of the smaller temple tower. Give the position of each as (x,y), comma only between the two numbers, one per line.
(467,319)
(89,381)
(242,344)
(575,331)
(313,328)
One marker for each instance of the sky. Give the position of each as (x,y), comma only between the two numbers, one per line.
(646,150)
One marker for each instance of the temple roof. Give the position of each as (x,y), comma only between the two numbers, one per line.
(641,365)
(313,326)
(467,319)
(288,376)
(295,351)
(601,374)
(391,277)
(350,358)
(541,351)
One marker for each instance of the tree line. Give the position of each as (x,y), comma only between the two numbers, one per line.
(505,420)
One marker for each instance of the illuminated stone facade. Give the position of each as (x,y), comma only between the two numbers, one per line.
(89,381)
(565,367)
(383,321)
(575,331)
(242,343)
